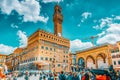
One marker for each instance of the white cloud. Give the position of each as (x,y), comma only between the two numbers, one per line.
(96,27)
(117,18)
(111,30)
(14,26)
(78,25)
(105,22)
(110,35)
(101,34)
(48,1)
(22,38)
(29,9)
(5,49)
(77,44)
(85,15)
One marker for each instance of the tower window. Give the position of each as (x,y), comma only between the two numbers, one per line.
(41,34)
(46,48)
(66,61)
(54,50)
(36,58)
(50,59)
(42,47)
(117,50)
(58,65)
(41,58)
(114,62)
(119,62)
(50,49)
(46,58)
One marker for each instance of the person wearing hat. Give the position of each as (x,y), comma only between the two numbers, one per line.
(2,76)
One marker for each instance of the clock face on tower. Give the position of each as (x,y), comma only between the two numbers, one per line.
(59,34)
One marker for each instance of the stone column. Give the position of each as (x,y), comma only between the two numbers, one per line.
(96,64)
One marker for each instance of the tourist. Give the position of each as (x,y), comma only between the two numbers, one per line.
(9,76)
(51,77)
(92,76)
(56,76)
(62,76)
(2,76)
(26,76)
(87,77)
(70,76)
(112,73)
(35,74)
(118,75)
(75,77)
(40,78)
(79,75)
(44,77)
(15,74)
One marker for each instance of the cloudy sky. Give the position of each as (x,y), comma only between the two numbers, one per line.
(82,19)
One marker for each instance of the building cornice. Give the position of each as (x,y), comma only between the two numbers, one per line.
(92,48)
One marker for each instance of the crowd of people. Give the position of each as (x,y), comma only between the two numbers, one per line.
(43,76)
(54,76)
(77,75)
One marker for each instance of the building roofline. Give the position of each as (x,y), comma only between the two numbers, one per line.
(94,47)
(118,41)
(47,33)
(3,54)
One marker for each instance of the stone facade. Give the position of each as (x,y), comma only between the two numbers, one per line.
(95,57)
(115,55)
(100,56)
(2,59)
(13,59)
(45,51)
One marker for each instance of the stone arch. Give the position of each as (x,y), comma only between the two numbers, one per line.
(101,61)
(91,58)
(90,62)
(102,55)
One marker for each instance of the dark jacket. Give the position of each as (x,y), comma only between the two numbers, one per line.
(62,77)
(75,78)
(70,77)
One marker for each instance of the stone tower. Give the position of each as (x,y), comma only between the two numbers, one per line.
(57,19)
